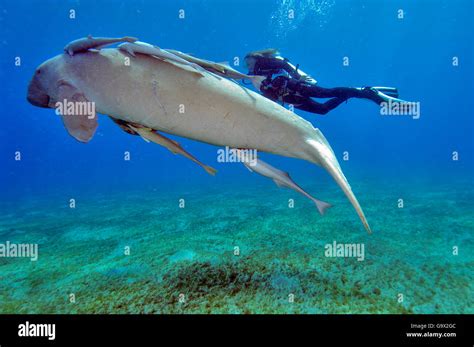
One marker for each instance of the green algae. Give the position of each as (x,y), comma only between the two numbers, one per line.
(185,260)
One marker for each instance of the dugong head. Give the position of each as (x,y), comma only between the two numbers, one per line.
(52,86)
(39,87)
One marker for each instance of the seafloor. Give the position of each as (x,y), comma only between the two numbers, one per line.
(190,251)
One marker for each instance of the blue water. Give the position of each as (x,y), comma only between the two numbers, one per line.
(135,201)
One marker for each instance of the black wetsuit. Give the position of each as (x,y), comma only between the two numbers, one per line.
(297,89)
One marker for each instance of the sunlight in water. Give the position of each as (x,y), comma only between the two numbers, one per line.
(290,14)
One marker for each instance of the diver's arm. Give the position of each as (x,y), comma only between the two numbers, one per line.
(267,66)
(288,67)
(294,71)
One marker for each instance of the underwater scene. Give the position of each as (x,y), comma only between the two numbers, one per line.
(318,157)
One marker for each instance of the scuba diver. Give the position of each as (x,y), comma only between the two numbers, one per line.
(293,86)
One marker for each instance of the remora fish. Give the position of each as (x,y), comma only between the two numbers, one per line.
(150,92)
(146,48)
(173,146)
(282,179)
(89,42)
(220,69)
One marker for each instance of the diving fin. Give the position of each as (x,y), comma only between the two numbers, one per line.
(390,91)
(388,98)
(400,105)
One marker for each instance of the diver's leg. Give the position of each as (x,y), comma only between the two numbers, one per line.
(315,91)
(320,108)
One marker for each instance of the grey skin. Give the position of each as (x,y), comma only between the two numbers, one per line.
(282,179)
(89,43)
(153,93)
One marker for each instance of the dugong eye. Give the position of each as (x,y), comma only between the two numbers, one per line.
(38,71)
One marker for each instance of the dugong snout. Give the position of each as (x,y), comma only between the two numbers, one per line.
(37,95)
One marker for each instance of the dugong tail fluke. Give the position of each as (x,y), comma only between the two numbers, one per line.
(320,153)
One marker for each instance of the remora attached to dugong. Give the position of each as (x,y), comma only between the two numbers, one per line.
(173,146)
(86,43)
(161,96)
(221,69)
(155,51)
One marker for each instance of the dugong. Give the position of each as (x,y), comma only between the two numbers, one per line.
(162,96)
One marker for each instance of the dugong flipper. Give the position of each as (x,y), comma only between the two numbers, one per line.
(79,125)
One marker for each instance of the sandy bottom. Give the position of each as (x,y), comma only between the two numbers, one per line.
(184,260)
